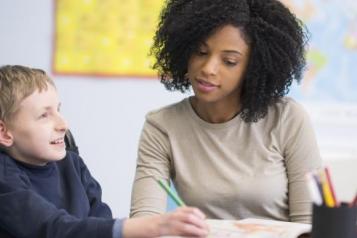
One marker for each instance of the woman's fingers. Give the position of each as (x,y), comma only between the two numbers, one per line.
(186,221)
(193,210)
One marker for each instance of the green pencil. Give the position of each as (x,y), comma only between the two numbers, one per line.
(174,196)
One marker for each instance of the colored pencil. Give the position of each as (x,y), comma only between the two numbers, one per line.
(329,201)
(329,181)
(313,189)
(319,186)
(168,190)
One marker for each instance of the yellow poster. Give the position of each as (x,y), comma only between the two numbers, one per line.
(105,37)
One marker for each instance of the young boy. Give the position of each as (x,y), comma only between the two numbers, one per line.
(48,192)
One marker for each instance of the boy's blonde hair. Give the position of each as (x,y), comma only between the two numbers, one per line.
(16,83)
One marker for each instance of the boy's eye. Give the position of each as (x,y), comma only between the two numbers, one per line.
(44,115)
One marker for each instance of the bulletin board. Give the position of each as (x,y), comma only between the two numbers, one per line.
(104,37)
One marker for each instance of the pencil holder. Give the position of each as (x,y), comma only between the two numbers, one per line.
(334,222)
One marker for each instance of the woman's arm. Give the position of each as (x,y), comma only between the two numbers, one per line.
(302,155)
(153,163)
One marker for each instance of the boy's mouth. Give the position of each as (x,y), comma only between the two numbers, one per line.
(57,141)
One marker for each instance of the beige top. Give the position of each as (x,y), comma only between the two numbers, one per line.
(230,170)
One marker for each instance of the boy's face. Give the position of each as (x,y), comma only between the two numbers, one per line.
(38,129)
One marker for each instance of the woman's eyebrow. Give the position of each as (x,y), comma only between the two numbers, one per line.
(232,51)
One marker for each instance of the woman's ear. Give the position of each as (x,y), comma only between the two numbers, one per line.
(6,138)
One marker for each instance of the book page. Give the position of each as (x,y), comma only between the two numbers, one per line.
(255,228)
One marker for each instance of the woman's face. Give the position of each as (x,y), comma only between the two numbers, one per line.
(216,70)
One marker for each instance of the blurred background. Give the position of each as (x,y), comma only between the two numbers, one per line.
(96,51)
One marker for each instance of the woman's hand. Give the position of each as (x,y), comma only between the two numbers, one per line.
(184,221)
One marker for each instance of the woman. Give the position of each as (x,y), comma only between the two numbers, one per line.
(238,148)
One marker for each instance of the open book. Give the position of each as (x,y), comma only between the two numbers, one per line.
(256,228)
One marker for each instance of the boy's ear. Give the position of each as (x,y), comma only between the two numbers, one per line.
(6,138)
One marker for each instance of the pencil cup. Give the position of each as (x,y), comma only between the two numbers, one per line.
(334,222)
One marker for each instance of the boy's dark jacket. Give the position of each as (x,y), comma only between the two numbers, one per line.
(60,199)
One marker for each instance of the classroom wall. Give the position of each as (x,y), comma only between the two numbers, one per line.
(107,114)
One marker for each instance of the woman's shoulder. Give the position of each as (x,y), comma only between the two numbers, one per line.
(287,111)
(284,110)
(288,106)
(170,117)
(169,112)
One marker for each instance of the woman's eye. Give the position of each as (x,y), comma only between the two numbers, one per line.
(201,52)
(230,63)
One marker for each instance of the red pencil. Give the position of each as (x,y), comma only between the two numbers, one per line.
(329,181)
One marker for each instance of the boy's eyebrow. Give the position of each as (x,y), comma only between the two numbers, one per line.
(49,107)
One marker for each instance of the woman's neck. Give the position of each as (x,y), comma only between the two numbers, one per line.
(215,112)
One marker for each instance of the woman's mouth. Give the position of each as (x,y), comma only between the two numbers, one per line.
(205,86)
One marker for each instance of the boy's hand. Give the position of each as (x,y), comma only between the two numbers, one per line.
(184,221)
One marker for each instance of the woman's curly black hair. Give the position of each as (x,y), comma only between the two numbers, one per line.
(276,38)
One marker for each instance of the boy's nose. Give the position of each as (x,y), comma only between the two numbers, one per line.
(61,124)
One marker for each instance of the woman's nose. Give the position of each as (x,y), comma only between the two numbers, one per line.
(210,66)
